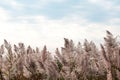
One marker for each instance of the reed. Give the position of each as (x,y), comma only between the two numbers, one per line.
(74,62)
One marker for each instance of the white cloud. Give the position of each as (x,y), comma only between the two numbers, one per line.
(50,32)
(13,3)
(47,1)
(20,5)
(114,21)
(106,4)
(4,16)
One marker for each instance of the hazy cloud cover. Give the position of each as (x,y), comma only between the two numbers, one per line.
(47,22)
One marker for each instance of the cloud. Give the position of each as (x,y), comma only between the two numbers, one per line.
(109,5)
(44,31)
(99,11)
(4,16)
(12,3)
(114,21)
(19,5)
(40,30)
(48,1)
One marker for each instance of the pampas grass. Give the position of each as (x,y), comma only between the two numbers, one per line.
(74,62)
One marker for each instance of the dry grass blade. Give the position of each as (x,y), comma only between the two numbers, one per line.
(44,54)
(104,53)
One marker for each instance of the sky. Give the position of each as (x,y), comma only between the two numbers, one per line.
(48,22)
